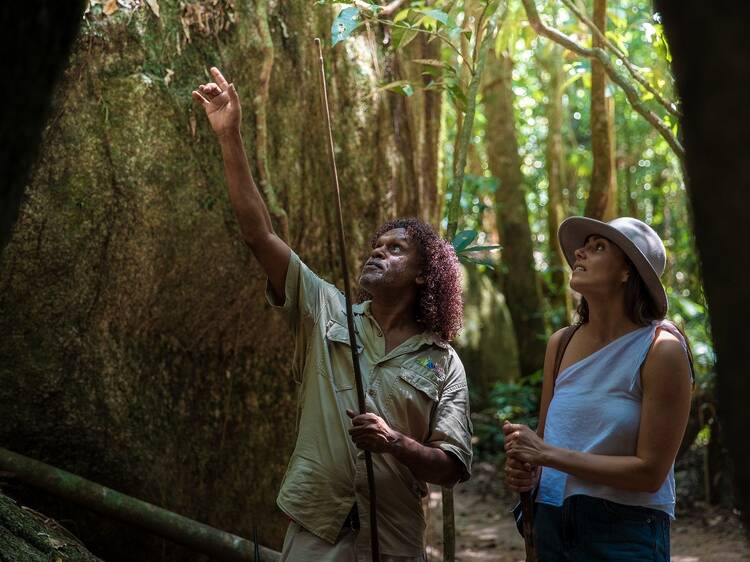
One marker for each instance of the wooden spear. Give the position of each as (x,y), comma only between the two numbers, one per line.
(527,508)
(349,316)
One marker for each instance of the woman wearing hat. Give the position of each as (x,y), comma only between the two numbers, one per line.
(614,408)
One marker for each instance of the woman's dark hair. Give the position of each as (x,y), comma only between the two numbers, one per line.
(640,307)
(440,307)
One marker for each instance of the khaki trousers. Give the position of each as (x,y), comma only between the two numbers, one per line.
(302,546)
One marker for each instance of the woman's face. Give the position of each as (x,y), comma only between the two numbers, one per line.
(600,268)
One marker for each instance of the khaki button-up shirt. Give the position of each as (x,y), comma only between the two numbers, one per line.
(418,388)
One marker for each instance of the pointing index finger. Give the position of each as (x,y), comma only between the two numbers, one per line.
(219,77)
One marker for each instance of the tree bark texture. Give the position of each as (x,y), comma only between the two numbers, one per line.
(137,347)
(713,80)
(559,295)
(602,173)
(430,138)
(610,211)
(520,280)
(409,129)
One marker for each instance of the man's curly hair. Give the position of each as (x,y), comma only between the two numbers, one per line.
(440,308)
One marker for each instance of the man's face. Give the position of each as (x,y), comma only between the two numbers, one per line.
(394,264)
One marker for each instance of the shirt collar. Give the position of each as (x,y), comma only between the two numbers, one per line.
(425,338)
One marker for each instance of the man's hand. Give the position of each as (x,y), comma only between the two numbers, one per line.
(426,462)
(370,432)
(221,104)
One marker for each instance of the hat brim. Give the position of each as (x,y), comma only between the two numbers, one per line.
(572,235)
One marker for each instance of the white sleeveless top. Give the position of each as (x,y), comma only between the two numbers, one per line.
(596,408)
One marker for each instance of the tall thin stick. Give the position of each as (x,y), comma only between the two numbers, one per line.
(349,316)
(527,508)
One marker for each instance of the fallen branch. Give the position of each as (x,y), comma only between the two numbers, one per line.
(217,544)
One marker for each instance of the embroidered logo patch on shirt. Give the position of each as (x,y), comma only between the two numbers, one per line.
(427,363)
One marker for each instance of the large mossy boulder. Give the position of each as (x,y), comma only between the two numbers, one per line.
(487,344)
(137,349)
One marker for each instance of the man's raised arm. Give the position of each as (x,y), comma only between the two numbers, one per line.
(222,106)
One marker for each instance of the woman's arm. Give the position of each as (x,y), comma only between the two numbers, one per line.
(521,476)
(665,379)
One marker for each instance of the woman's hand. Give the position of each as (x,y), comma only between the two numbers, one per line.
(520,476)
(523,444)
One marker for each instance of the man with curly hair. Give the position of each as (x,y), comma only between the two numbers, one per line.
(417,423)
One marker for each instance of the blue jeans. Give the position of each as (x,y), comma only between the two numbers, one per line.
(588,529)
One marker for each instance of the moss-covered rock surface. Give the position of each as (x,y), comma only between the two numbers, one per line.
(137,349)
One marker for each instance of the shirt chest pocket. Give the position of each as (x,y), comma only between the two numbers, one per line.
(412,398)
(336,364)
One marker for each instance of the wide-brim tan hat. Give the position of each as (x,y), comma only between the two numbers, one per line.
(635,238)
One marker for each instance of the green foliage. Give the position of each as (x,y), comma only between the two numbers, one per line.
(468,254)
(344,24)
(413,19)
(462,240)
(515,401)
(648,174)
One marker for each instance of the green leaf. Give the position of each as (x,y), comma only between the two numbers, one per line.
(616,38)
(618,21)
(481,249)
(456,95)
(400,87)
(438,15)
(344,24)
(688,307)
(402,15)
(484,262)
(407,38)
(462,240)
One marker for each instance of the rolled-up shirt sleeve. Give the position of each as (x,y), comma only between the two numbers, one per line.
(451,427)
(303,291)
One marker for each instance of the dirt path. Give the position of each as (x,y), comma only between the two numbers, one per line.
(486,532)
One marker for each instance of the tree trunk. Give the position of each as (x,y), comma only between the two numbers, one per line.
(138,350)
(520,280)
(610,211)
(602,176)
(430,138)
(413,128)
(713,78)
(409,200)
(559,296)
